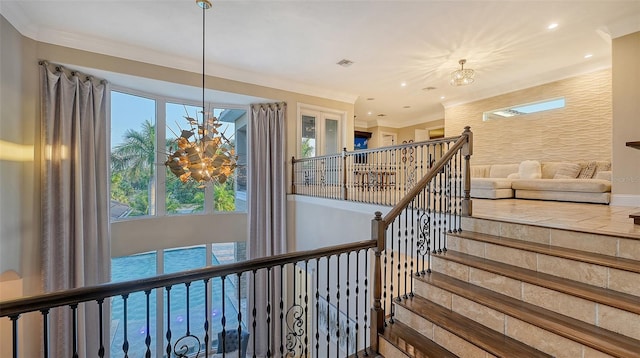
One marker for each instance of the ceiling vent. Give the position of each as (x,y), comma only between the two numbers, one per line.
(345,63)
(382,115)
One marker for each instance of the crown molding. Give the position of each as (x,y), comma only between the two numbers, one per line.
(624,26)
(11,11)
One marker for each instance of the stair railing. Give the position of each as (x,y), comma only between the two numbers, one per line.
(416,227)
(301,304)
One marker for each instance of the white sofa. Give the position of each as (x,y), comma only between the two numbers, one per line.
(588,182)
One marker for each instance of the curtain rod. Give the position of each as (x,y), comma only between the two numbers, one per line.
(61,68)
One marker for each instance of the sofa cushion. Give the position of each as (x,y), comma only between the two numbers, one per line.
(490,183)
(480,171)
(588,171)
(502,170)
(567,171)
(574,185)
(529,169)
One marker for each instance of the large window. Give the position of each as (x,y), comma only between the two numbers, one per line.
(176,260)
(143,128)
(133,140)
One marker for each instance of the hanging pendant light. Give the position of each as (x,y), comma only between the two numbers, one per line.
(462,77)
(202,153)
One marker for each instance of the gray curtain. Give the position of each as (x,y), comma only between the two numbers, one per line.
(75,194)
(267,211)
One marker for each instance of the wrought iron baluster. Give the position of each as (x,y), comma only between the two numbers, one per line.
(168,334)
(125,344)
(337,305)
(366,302)
(347,295)
(254,313)
(269,333)
(306,307)
(14,335)
(406,249)
(147,340)
(328,305)
(317,295)
(206,317)
(399,264)
(223,320)
(239,293)
(45,332)
(282,311)
(412,251)
(357,298)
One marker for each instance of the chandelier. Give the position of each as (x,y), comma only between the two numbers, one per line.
(202,153)
(462,76)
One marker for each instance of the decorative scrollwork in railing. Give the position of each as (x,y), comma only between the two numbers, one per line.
(295,330)
(181,349)
(424,237)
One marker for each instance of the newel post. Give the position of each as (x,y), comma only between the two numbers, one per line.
(377,311)
(467,151)
(344,173)
(293,175)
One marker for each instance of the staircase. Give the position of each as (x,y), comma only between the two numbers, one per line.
(513,290)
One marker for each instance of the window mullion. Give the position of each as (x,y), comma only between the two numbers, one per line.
(161,173)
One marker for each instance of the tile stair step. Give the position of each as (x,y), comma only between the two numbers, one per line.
(566,253)
(411,343)
(616,299)
(600,339)
(495,343)
(613,244)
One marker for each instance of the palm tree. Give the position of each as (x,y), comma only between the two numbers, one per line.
(136,156)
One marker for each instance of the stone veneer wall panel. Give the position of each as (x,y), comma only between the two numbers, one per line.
(580,131)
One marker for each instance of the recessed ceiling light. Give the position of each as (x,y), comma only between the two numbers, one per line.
(369,113)
(344,63)
(403,84)
(442,97)
(552,26)
(588,55)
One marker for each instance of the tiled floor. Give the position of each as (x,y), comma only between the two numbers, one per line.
(595,218)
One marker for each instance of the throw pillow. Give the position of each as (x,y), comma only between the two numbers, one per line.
(588,171)
(530,169)
(514,176)
(567,171)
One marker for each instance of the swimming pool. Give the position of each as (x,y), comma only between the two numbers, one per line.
(144,265)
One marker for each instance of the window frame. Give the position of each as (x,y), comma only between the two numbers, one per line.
(161,132)
(321,114)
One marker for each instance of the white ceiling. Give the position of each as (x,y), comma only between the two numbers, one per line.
(294,45)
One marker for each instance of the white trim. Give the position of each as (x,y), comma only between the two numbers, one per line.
(625,200)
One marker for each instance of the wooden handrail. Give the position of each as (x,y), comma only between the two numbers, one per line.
(16,307)
(408,198)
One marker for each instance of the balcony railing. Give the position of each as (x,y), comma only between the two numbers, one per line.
(376,176)
(330,302)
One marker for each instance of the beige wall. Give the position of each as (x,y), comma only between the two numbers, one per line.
(626,119)
(580,131)
(408,133)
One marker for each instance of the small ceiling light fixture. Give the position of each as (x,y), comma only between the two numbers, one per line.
(209,155)
(588,55)
(462,77)
(403,84)
(552,26)
(442,97)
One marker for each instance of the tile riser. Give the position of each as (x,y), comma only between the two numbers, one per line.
(595,243)
(439,335)
(611,318)
(543,340)
(589,273)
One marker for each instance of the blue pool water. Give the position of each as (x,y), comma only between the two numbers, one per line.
(144,265)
